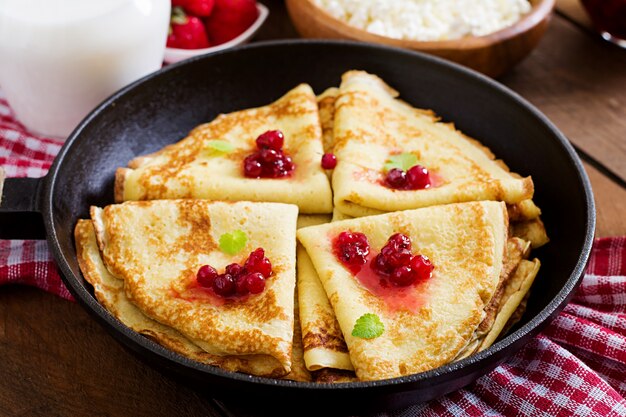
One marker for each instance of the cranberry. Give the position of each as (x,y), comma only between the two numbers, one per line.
(399,258)
(269,161)
(238,279)
(329,161)
(288,164)
(422,266)
(396,178)
(403,276)
(352,248)
(205,276)
(398,240)
(257,262)
(417,178)
(272,139)
(275,169)
(240,285)
(269,156)
(381,266)
(252,168)
(396,265)
(234,269)
(224,285)
(255,282)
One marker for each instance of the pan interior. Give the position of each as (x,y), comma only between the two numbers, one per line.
(162,108)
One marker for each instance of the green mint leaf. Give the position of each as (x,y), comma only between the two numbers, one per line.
(402,161)
(368,326)
(233,243)
(220,146)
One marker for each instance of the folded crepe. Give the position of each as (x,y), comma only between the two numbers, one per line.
(371,125)
(532,230)
(326,105)
(208,163)
(325,351)
(109,291)
(515,281)
(156,248)
(323,343)
(466,243)
(524,216)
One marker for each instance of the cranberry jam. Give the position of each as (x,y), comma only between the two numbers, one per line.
(237,281)
(391,274)
(395,265)
(269,160)
(351,248)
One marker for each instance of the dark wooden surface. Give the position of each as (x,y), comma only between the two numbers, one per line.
(57,361)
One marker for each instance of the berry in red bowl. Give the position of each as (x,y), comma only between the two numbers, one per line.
(228,24)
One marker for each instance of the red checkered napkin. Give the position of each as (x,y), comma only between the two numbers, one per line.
(23,154)
(576,367)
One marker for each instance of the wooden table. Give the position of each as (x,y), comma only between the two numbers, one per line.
(57,361)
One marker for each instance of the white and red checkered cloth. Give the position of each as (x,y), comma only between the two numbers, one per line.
(576,367)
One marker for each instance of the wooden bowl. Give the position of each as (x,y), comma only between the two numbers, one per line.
(492,54)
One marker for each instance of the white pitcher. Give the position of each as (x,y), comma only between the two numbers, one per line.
(60,58)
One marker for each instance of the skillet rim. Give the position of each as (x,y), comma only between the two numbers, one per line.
(495,353)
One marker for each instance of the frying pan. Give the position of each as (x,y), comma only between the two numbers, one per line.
(162,107)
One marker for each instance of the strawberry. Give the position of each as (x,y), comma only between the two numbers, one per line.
(230,18)
(198,8)
(186,32)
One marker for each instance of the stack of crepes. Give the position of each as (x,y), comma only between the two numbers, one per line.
(190,205)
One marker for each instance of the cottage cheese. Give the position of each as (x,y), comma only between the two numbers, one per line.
(427,20)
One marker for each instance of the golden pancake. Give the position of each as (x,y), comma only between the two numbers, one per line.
(533,231)
(208,164)
(371,126)
(522,211)
(109,291)
(322,339)
(427,325)
(326,105)
(516,251)
(324,345)
(157,247)
(515,292)
(299,371)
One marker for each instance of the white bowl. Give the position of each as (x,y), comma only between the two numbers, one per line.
(175,54)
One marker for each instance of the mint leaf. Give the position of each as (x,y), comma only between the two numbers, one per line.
(402,161)
(368,326)
(220,146)
(233,243)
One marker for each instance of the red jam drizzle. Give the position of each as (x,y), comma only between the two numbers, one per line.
(436,180)
(194,292)
(396,298)
(269,160)
(351,248)
(393,274)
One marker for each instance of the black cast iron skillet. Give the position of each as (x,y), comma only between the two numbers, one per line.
(163,107)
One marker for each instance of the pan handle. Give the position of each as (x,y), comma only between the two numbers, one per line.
(20,212)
